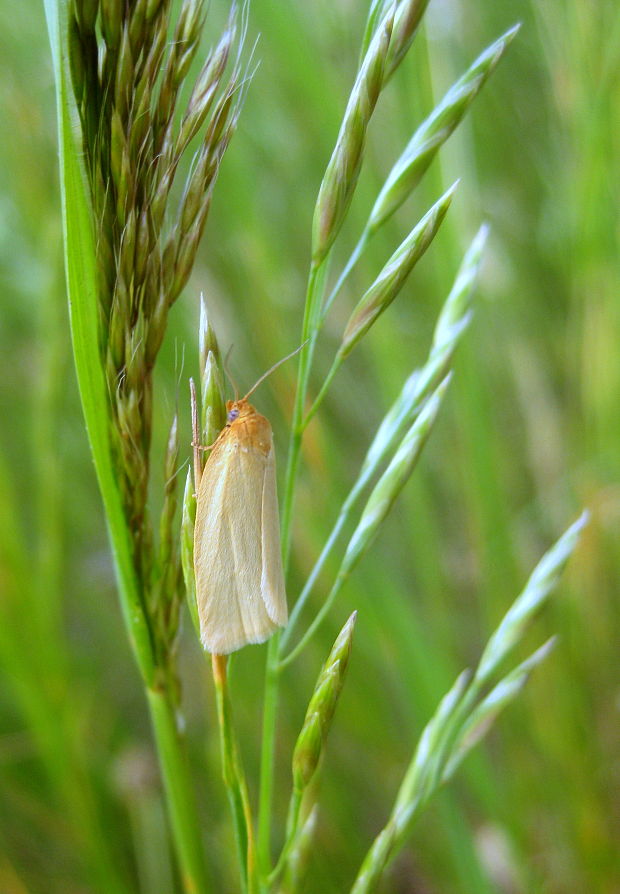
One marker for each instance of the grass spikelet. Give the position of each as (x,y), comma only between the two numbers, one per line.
(393,276)
(311,740)
(213,409)
(188,519)
(310,745)
(392,481)
(433,133)
(409,14)
(541,584)
(343,170)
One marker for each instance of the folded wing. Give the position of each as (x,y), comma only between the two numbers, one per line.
(239,582)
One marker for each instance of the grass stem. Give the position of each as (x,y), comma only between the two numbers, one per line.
(179,792)
(329,378)
(234,777)
(316,622)
(270,708)
(347,269)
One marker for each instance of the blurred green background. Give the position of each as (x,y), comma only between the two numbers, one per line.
(529,435)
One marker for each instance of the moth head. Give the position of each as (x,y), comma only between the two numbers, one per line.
(233,411)
(236,408)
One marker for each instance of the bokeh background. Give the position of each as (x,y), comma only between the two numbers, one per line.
(528,436)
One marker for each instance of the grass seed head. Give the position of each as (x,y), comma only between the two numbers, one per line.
(391,483)
(392,278)
(188,519)
(340,179)
(128,78)
(309,746)
(408,16)
(434,131)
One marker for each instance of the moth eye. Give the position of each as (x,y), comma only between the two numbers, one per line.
(232,414)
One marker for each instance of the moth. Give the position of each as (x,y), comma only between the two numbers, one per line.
(240,590)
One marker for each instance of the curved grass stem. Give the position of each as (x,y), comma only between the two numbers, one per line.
(322,392)
(292,830)
(316,623)
(330,543)
(234,778)
(270,708)
(347,269)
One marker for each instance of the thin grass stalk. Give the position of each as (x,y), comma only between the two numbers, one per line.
(268,749)
(314,296)
(354,257)
(290,835)
(234,778)
(331,207)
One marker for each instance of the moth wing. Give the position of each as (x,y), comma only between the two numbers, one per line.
(272,576)
(228,549)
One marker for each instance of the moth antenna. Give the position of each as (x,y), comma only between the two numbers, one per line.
(275,366)
(227,371)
